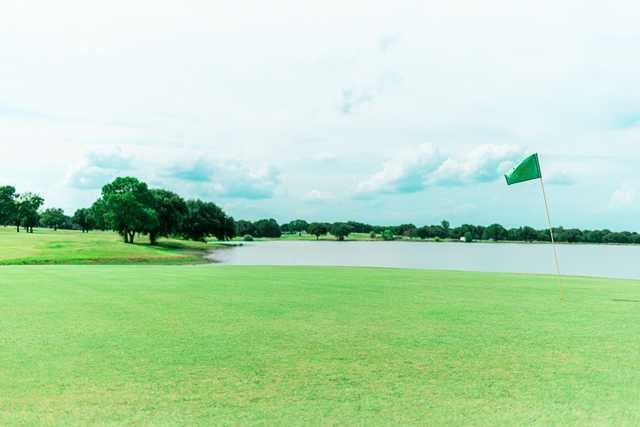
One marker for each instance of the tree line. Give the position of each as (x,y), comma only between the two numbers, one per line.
(129,207)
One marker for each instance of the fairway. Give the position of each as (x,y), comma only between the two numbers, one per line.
(204,345)
(46,246)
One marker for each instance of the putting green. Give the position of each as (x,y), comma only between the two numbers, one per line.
(167,345)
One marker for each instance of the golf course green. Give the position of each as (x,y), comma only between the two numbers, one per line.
(220,345)
(46,246)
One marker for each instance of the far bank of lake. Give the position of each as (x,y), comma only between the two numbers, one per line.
(576,260)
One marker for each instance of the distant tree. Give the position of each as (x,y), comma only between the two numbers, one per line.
(129,210)
(27,205)
(494,232)
(171,211)
(318,229)
(84,219)
(528,234)
(423,232)
(267,228)
(206,219)
(468,237)
(298,226)
(7,205)
(407,230)
(359,227)
(388,235)
(97,212)
(446,226)
(53,218)
(229,228)
(340,230)
(438,231)
(244,227)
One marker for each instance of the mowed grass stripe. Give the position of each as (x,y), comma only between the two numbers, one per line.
(301,345)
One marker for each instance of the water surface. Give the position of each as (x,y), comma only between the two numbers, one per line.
(581,260)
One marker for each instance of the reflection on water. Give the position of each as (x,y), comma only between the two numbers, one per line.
(583,260)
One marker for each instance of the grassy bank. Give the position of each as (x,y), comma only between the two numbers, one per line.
(169,345)
(46,246)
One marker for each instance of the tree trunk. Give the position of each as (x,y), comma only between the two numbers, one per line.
(153,238)
(125,235)
(132,236)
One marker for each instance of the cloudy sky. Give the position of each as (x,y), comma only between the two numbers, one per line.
(385,112)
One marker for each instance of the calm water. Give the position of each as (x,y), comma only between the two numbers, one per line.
(583,260)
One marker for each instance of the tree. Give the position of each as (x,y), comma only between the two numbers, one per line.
(318,229)
(85,220)
(53,218)
(340,230)
(27,205)
(244,228)
(205,219)
(98,211)
(229,228)
(494,232)
(445,225)
(268,228)
(298,226)
(128,207)
(388,235)
(171,211)
(7,205)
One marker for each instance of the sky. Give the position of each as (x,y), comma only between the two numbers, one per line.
(382,112)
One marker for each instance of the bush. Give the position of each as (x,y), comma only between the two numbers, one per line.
(388,235)
(248,238)
(437,239)
(468,237)
(373,235)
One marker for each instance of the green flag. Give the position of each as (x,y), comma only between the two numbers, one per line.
(527,170)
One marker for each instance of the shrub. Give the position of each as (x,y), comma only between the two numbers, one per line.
(387,235)
(248,238)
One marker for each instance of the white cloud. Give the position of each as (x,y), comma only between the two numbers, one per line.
(414,170)
(406,172)
(622,198)
(482,164)
(317,196)
(99,166)
(227,178)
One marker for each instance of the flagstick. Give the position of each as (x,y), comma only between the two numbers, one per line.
(553,242)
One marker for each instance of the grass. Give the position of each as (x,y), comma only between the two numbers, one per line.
(211,345)
(46,246)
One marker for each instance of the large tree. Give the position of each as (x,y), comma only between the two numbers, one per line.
(267,228)
(98,211)
(128,207)
(494,232)
(27,205)
(53,218)
(244,228)
(205,219)
(298,226)
(7,205)
(171,210)
(340,230)
(318,229)
(85,220)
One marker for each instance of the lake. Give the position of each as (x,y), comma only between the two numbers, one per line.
(580,260)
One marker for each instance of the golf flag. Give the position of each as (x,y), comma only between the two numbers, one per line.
(527,170)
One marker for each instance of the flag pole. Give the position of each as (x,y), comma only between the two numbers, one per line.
(553,242)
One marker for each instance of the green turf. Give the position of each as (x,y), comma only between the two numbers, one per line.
(46,246)
(211,345)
